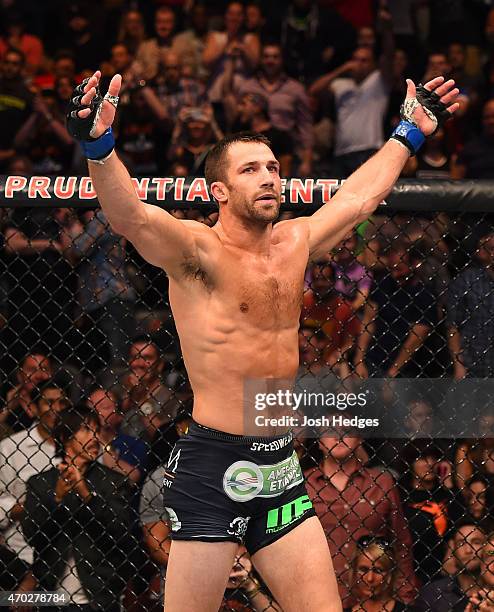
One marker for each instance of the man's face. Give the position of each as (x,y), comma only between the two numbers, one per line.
(64,88)
(234,17)
(104,404)
(253,182)
(84,445)
(366,37)
(476,496)
(120,58)
(438,65)
(197,131)
(12,65)
(271,60)
(322,281)
(340,447)
(468,543)
(424,470)
(171,68)
(35,370)
(50,405)
(365,64)
(253,17)
(246,109)
(144,361)
(419,419)
(164,23)
(133,23)
(346,249)
(64,67)
(399,264)
(456,56)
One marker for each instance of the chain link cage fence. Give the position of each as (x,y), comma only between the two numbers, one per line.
(95,394)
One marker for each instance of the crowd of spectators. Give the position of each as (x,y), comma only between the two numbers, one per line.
(96,392)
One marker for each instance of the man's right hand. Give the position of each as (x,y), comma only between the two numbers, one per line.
(106,115)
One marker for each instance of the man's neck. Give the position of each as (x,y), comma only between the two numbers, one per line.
(44,433)
(339,470)
(271,79)
(242,234)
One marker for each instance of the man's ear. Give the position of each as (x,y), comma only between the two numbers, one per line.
(219,191)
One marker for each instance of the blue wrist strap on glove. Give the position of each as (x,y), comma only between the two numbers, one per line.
(100,147)
(409,134)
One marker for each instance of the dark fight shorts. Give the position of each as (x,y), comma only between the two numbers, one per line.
(221,487)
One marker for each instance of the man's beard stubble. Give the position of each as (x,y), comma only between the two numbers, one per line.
(254,212)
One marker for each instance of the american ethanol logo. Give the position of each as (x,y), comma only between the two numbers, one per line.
(244,480)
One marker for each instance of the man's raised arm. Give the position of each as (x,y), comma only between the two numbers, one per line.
(422,112)
(160,238)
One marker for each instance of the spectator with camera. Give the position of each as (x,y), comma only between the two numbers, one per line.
(23,454)
(34,370)
(121,452)
(78,519)
(453,592)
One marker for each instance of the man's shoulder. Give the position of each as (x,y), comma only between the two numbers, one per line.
(20,438)
(342,84)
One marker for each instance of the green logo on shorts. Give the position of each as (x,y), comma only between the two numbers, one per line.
(285,515)
(244,480)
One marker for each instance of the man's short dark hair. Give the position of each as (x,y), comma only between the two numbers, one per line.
(72,419)
(143,339)
(216,166)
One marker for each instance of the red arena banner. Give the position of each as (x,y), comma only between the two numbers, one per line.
(192,192)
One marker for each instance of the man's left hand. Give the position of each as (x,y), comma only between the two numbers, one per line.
(446,93)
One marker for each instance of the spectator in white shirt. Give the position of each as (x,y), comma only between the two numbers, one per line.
(23,454)
(360,88)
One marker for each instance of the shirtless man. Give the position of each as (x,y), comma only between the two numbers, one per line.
(235,291)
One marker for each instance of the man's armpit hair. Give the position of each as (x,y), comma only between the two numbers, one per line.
(216,160)
(193,271)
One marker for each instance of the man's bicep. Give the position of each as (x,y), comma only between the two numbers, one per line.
(329,225)
(163,240)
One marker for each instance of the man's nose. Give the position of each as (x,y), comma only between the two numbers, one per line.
(267,178)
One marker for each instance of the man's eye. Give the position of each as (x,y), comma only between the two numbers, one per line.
(273,169)
(248,169)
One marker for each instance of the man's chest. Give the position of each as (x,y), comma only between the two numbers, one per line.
(265,292)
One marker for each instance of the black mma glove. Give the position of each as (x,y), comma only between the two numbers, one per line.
(80,128)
